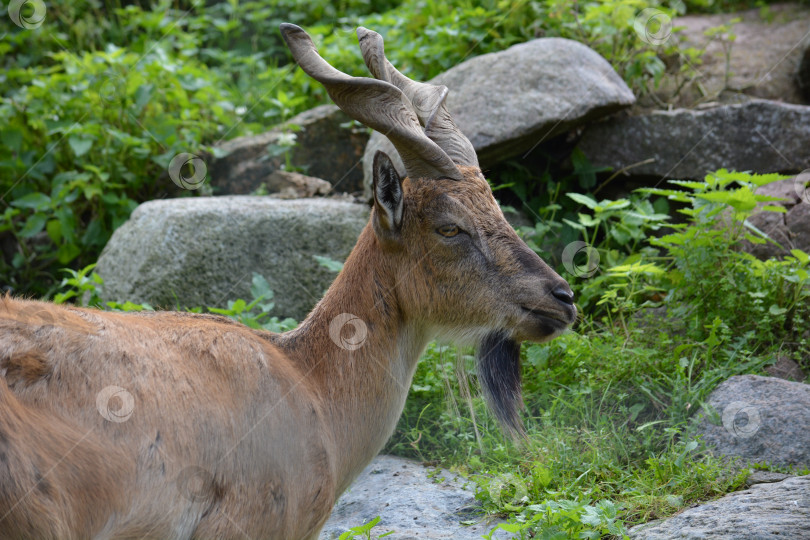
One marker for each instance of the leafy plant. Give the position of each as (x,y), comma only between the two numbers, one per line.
(623,223)
(255,313)
(364,531)
(84,286)
(563,519)
(86,136)
(329,263)
(706,271)
(80,285)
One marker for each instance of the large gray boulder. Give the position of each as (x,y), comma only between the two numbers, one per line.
(409,501)
(760,136)
(202,251)
(791,229)
(762,60)
(508,102)
(758,419)
(765,511)
(328,145)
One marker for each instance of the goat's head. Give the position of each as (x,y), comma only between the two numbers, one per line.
(459,267)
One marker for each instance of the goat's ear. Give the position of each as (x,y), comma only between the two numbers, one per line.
(387,193)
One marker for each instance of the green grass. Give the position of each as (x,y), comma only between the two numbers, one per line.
(607,419)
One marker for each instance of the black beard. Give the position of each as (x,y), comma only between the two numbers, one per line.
(499,374)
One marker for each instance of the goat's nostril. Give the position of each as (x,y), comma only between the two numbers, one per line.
(563,295)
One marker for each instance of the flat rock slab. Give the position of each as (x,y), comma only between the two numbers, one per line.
(760,419)
(509,101)
(326,146)
(765,477)
(759,136)
(764,59)
(765,511)
(411,500)
(202,251)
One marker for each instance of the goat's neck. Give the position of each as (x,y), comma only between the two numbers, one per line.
(364,389)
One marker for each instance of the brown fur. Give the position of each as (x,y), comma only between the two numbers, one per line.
(236,432)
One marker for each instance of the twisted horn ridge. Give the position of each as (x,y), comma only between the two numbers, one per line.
(377,104)
(427,99)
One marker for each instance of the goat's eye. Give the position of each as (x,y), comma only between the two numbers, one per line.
(448,230)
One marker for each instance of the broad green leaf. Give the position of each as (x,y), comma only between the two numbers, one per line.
(328,263)
(591,516)
(260,288)
(67,252)
(587,221)
(800,255)
(615,205)
(541,475)
(583,199)
(33,225)
(91,190)
(762,179)
(576,226)
(620,234)
(238,306)
(80,145)
(54,229)
(647,217)
(671,194)
(583,169)
(759,234)
(742,199)
(755,239)
(537,356)
(35,200)
(636,268)
(697,186)
(142,96)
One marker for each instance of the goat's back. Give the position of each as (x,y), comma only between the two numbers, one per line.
(155,424)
